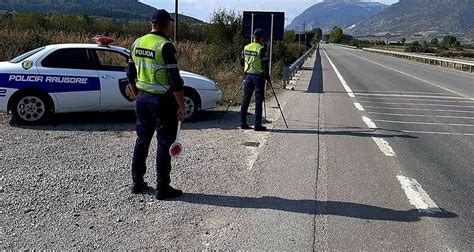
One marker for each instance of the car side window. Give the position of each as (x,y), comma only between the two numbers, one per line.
(111,60)
(73,58)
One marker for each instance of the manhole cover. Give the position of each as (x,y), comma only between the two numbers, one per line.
(252,144)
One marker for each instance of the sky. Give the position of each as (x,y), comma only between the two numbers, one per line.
(201,9)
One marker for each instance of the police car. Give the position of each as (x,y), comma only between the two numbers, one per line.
(67,78)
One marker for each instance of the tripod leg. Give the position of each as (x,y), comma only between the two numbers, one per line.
(232,101)
(279,106)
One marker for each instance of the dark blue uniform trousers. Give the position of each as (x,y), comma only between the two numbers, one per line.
(154,113)
(253,83)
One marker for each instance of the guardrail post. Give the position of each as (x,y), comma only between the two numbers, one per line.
(286,76)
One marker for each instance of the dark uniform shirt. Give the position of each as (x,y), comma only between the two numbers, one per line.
(265,63)
(169,56)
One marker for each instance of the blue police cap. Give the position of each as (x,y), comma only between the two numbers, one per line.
(259,33)
(161,16)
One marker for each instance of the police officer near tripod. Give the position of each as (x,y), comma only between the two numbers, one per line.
(256,69)
(154,74)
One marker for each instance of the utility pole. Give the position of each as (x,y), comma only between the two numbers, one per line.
(176,21)
(299,43)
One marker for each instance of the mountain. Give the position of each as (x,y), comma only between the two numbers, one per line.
(330,13)
(422,18)
(118,9)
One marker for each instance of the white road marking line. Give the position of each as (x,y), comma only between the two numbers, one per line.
(409,99)
(417,109)
(425,123)
(369,122)
(412,115)
(358,106)
(415,96)
(437,133)
(382,144)
(395,92)
(417,196)
(421,104)
(415,77)
(341,79)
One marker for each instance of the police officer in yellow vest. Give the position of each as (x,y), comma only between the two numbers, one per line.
(154,71)
(255,64)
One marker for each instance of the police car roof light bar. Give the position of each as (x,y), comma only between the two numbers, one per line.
(102,40)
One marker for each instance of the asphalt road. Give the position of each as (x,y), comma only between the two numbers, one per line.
(425,115)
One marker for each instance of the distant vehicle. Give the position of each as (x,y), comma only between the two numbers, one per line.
(67,78)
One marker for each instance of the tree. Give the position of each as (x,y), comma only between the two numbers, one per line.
(448,42)
(458,46)
(336,35)
(434,42)
(414,47)
(318,34)
(326,37)
(346,39)
(403,40)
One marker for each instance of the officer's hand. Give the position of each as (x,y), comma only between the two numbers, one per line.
(181,114)
(131,92)
(269,85)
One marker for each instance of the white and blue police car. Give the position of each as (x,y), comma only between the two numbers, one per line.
(66,78)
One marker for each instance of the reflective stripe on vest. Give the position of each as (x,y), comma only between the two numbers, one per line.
(152,76)
(253,60)
(154,89)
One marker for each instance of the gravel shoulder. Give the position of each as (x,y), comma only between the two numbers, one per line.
(65,184)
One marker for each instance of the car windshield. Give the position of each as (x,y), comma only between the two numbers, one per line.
(26,55)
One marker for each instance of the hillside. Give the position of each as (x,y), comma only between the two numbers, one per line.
(330,13)
(423,18)
(118,9)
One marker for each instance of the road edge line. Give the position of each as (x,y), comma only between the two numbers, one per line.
(417,196)
(341,79)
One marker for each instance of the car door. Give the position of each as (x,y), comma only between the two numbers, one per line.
(113,79)
(71,76)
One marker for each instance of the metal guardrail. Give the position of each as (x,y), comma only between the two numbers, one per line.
(437,61)
(289,72)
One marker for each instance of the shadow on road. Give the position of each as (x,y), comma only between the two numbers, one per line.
(87,121)
(357,133)
(313,207)
(125,121)
(316,82)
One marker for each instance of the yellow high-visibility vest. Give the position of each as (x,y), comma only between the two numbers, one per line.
(152,76)
(253,59)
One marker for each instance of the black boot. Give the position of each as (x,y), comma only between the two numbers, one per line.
(138,187)
(167,192)
(260,128)
(244,126)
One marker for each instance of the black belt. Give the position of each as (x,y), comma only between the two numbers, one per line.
(147,93)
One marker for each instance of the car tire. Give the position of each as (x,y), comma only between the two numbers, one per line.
(31,108)
(191,103)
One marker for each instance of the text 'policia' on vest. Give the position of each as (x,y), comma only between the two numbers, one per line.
(253,59)
(152,76)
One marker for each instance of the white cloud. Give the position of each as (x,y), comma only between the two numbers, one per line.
(203,8)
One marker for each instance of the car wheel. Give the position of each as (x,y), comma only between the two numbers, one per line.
(30,108)
(191,104)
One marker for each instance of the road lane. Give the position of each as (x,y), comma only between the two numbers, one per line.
(443,164)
